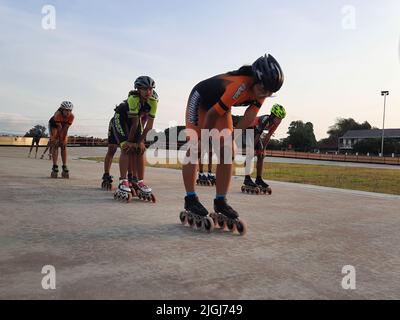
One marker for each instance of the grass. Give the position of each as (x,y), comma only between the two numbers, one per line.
(364,179)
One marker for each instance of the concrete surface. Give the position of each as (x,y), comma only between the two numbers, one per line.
(298,241)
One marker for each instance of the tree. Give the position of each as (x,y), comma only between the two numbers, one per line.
(341,126)
(31,132)
(301,136)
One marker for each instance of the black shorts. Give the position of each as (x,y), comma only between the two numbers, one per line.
(118,131)
(35,140)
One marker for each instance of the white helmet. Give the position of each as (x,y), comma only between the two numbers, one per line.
(66,105)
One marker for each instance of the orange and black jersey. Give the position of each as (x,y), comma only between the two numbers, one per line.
(228,90)
(58,118)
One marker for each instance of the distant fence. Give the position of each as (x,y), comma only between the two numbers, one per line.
(334,157)
(96,142)
(19,141)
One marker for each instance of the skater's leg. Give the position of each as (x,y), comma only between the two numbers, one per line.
(64,154)
(210,161)
(112,149)
(30,150)
(189,176)
(123,164)
(140,165)
(260,164)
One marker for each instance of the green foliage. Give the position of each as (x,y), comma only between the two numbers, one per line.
(32,132)
(343,125)
(373,146)
(301,136)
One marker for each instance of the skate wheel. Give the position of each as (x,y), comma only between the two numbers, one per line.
(139,196)
(109,187)
(231,225)
(208,183)
(241,227)
(221,222)
(269,191)
(247,191)
(252,191)
(243,189)
(215,219)
(183,217)
(257,191)
(127,197)
(190,221)
(153,198)
(103,186)
(208,224)
(199,224)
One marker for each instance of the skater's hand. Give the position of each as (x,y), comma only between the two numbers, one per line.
(128,146)
(141,148)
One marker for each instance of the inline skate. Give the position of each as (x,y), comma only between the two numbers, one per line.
(107,182)
(54,171)
(196,216)
(65,172)
(123,192)
(211,177)
(264,187)
(203,180)
(225,217)
(250,187)
(142,191)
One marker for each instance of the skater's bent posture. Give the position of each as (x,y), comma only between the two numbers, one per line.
(58,127)
(209,107)
(37,135)
(270,123)
(133,119)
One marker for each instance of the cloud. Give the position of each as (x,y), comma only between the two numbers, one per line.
(15,123)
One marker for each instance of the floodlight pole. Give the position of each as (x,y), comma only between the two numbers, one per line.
(385,94)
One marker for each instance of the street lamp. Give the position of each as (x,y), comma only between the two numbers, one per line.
(385,94)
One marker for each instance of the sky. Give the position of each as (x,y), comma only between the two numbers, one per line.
(337,56)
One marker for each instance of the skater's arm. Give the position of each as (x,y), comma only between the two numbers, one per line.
(248,118)
(63,134)
(149,126)
(211,118)
(135,123)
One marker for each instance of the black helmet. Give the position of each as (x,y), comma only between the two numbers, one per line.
(144,82)
(268,71)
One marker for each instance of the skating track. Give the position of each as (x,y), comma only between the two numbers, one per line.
(298,241)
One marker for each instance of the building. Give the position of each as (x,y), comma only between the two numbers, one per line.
(351,137)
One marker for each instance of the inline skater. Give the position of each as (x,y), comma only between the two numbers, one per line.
(133,119)
(270,123)
(209,106)
(37,135)
(58,127)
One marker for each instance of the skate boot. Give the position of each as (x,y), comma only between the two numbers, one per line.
(54,171)
(250,187)
(196,216)
(264,187)
(202,180)
(211,178)
(107,182)
(226,217)
(65,172)
(144,192)
(123,192)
